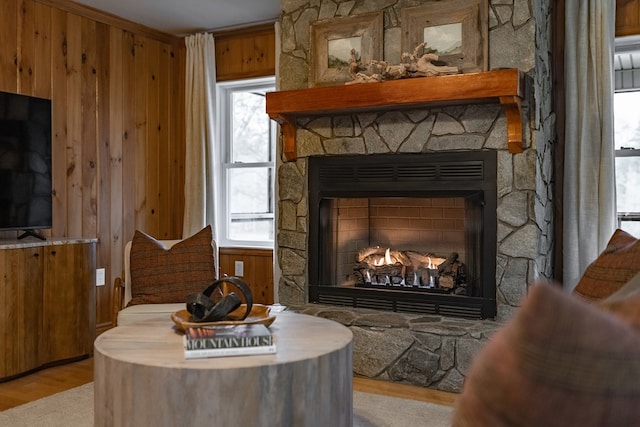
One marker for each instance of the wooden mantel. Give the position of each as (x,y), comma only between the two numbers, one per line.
(505,86)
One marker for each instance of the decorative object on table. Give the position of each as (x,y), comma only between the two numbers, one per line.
(230,340)
(332,42)
(454,30)
(259,314)
(212,305)
(415,64)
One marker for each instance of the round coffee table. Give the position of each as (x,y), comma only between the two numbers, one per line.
(142,378)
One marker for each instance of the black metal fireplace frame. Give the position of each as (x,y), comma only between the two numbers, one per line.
(454,174)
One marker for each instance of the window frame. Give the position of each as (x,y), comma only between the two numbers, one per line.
(627,216)
(224,129)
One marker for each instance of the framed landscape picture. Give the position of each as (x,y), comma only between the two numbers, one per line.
(333,41)
(455,30)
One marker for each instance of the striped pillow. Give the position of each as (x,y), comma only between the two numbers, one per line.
(161,275)
(615,266)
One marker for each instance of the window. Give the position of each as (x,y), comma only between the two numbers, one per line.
(246,155)
(627,146)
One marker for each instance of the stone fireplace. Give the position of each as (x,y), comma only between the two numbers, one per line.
(427,348)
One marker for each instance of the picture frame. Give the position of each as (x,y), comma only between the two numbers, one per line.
(331,42)
(455,30)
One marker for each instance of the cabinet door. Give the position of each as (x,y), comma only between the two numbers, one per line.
(69,301)
(20,309)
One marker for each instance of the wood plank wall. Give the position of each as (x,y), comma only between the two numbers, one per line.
(627,17)
(117,90)
(258,270)
(118,126)
(245,53)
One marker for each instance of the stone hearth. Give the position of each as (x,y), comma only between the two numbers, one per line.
(430,351)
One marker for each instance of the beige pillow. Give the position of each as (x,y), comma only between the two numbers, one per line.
(560,361)
(161,275)
(615,266)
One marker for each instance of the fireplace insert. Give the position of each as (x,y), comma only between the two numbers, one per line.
(404,232)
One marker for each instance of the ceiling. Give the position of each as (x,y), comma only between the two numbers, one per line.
(189,16)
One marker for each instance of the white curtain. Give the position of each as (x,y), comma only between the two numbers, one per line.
(199,192)
(589,177)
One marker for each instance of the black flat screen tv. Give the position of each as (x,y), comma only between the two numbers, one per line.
(25,163)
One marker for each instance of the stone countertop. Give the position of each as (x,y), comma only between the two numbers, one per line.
(30,242)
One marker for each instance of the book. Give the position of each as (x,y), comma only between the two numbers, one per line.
(229,340)
(227,352)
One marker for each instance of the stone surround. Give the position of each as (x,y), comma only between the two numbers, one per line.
(427,350)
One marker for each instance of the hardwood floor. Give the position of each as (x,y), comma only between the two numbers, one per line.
(64,377)
(45,382)
(404,391)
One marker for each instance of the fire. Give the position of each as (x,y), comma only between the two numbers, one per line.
(430,265)
(386,260)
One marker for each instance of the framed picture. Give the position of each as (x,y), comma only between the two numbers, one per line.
(455,30)
(332,42)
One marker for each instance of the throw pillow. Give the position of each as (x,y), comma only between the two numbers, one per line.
(615,266)
(559,361)
(161,275)
(625,303)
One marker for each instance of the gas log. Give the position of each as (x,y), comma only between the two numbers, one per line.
(377,266)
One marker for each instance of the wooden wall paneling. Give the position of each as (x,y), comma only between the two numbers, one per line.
(42,53)
(245,53)
(138,180)
(627,17)
(266,53)
(153,142)
(178,148)
(224,66)
(107,243)
(74,125)
(59,121)
(89,128)
(117,189)
(257,59)
(258,270)
(262,269)
(9,37)
(9,59)
(26,46)
(165,211)
(129,110)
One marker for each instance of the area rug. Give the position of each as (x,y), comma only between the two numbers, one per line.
(74,408)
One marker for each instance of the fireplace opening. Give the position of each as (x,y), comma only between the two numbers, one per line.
(404,232)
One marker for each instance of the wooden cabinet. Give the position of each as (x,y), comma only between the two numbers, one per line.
(20,313)
(47,304)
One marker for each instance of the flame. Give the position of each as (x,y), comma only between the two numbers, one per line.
(385,260)
(431,265)
(387,257)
